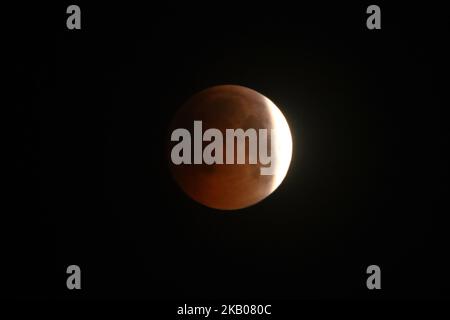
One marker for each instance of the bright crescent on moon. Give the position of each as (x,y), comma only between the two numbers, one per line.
(283,144)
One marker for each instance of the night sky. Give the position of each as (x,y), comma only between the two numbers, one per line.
(368,182)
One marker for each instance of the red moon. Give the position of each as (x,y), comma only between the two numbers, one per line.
(232,186)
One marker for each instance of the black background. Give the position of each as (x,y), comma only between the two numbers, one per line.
(367,183)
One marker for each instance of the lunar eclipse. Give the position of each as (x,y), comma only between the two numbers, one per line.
(233,186)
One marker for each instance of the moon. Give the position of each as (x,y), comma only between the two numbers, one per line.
(232,186)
